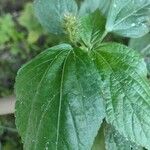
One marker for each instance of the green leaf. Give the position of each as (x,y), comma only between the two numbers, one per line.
(129,18)
(91,29)
(59,104)
(34,29)
(51,13)
(89,6)
(127,91)
(27,16)
(143,46)
(114,141)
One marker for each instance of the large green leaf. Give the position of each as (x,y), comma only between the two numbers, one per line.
(127,91)
(129,18)
(143,46)
(114,141)
(91,29)
(89,6)
(51,13)
(59,104)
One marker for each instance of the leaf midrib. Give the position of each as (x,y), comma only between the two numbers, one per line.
(60,100)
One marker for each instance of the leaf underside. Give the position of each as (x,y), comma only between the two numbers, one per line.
(51,13)
(143,46)
(89,6)
(129,18)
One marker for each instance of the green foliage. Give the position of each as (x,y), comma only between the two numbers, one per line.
(21,43)
(18,43)
(8,69)
(89,6)
(127,91)
(143,46)
(1,129)
(9,137)
(54,15)
(65,93)
(8,31)
(51,13)
(34,29)
(129,18)
(115,141)
(91,29)
(75,101)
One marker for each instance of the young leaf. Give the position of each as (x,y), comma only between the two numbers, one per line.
(127,91)
(89,6)
(129,18)
(51,13)
(92,28)
(59,104)
(114,141)
(143,46)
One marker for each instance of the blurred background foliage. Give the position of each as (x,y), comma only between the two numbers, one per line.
(22,38)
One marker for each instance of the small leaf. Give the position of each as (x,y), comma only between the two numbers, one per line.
(59,104)
(34,29)
(51,13)
(27,16)
(143,46)
(129,18)
(92,28)
(127,91)
(114,141)
(89,6)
